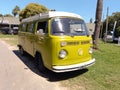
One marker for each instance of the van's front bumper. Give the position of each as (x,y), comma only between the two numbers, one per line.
(73,67)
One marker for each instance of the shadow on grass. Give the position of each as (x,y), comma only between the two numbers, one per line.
(49,75)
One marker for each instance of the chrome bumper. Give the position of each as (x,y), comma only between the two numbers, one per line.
(73,67)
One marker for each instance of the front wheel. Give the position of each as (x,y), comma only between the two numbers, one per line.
(39,63)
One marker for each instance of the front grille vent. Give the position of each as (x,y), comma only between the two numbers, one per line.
(73,43)
(85,42)
(78,43)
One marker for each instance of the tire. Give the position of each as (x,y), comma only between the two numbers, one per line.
(21,50)
(39,62)
(10,32)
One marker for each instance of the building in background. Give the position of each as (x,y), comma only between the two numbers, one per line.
(91,28)
(9,25)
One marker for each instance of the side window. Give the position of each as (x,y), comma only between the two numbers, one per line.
(42,27)
(30,27)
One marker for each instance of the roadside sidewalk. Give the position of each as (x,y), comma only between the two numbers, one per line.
(15,75)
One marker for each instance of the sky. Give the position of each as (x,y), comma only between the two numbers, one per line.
(85,8)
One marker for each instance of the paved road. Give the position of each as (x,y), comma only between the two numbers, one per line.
(19,73)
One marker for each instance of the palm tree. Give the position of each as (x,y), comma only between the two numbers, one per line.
(97,23)
(16,11)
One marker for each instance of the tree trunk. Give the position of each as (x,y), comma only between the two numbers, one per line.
(97,23)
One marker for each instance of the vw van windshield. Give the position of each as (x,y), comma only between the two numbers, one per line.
(68,26)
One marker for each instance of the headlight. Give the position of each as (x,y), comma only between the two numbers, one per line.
(62,54)
(91,50)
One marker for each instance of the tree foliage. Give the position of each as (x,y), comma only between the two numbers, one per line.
(8,15)
(117,33)
(16,11)
(111,20)
(32,9)
(91,20)
(1,15)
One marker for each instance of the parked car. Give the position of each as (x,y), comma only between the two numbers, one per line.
(14,30)
(5,30)
(109,36)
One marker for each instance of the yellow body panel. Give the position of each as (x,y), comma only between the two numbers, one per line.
(76,51)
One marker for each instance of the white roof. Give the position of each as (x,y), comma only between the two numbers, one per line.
(9,20)
(51,14)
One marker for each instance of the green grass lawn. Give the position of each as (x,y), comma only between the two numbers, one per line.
(103,75)
(10,39)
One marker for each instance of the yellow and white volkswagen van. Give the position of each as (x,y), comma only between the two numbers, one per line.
(59,41)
